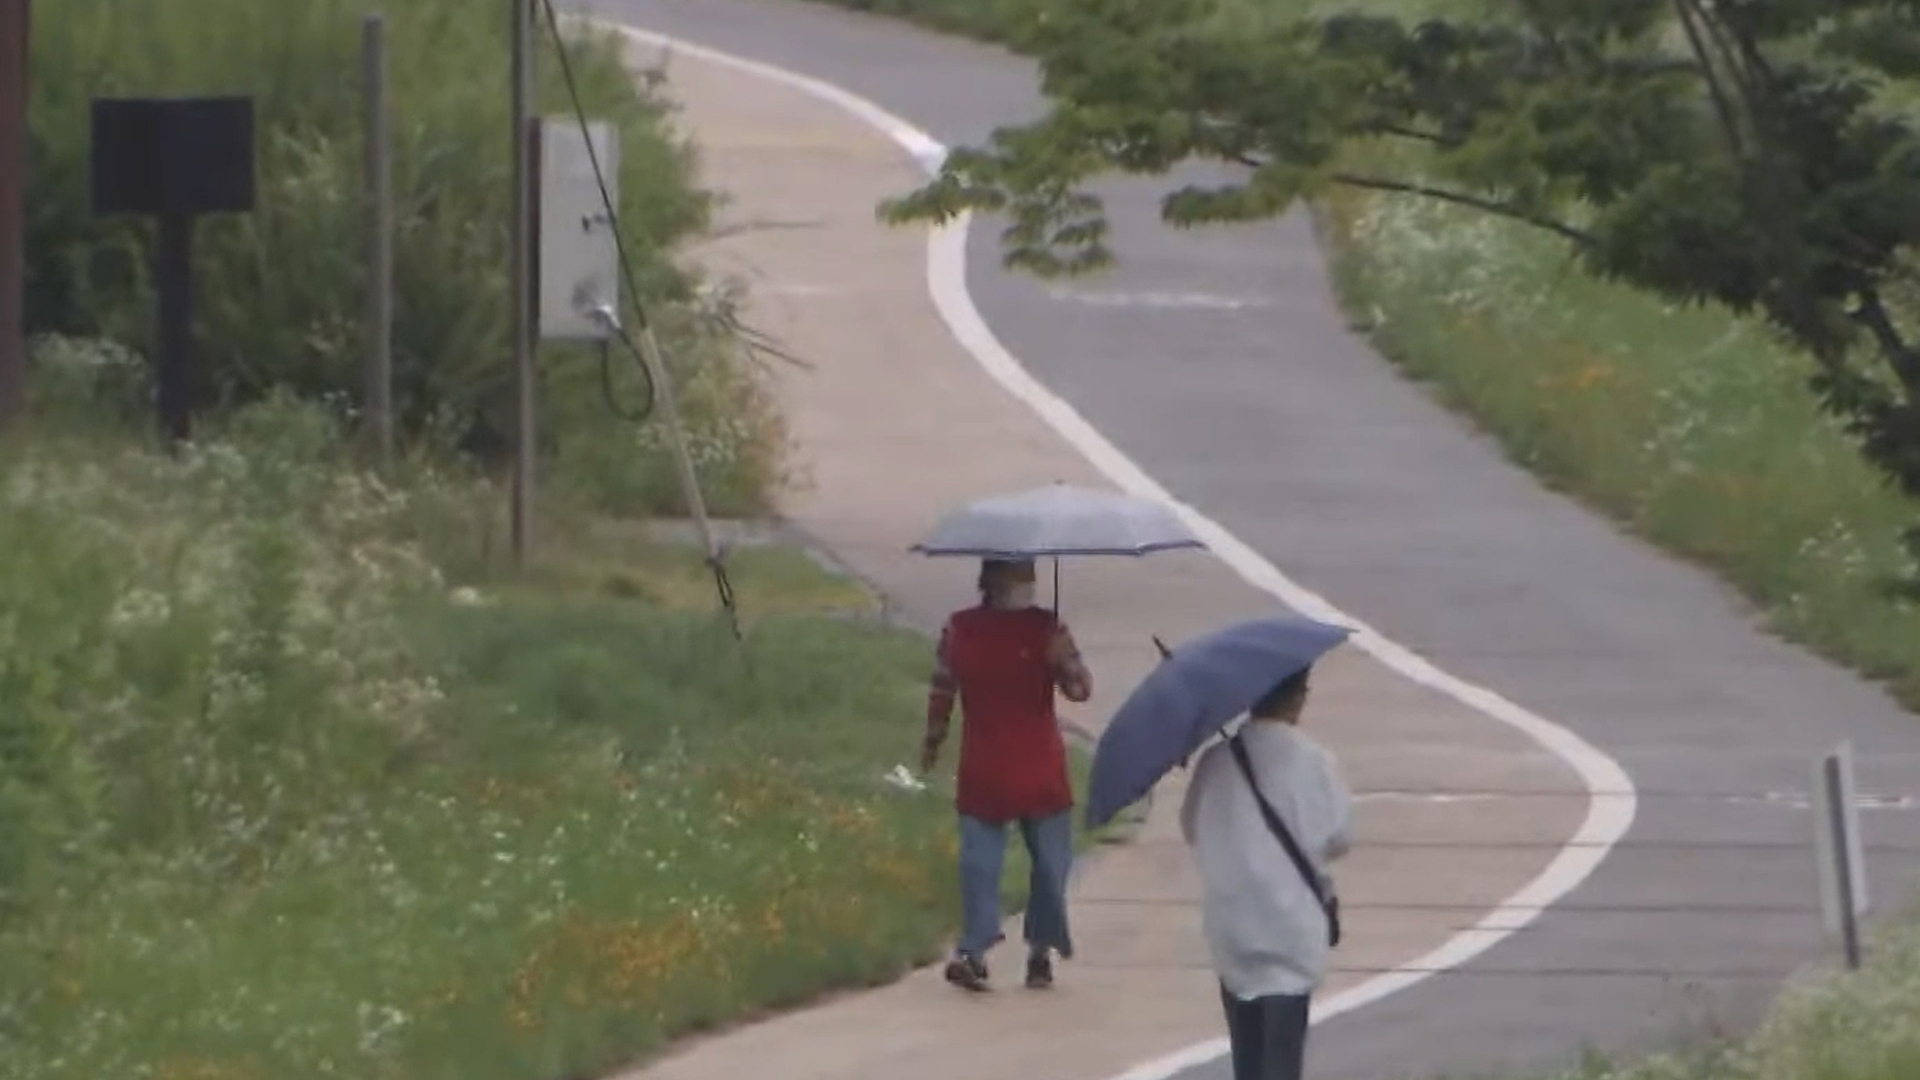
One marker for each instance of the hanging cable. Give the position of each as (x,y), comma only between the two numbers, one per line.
(612,397)
(723,584)
(619,240)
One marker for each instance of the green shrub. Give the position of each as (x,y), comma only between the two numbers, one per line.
(735,433)
(279,289)
(170,620)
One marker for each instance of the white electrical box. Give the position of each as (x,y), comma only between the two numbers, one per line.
(579,263)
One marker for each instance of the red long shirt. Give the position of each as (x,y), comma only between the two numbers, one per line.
(1002,667)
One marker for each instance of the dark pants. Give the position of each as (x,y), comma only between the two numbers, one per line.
(1269,1036)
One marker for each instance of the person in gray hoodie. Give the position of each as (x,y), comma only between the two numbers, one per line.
(1266,814)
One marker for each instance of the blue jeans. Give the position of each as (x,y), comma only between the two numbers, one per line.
(983,854)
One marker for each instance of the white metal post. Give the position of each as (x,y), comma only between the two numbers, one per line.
(1838,852)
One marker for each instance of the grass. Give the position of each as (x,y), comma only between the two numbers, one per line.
(617,558)
(296,784)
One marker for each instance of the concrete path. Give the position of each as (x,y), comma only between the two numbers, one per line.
(1273,419)
(894,424)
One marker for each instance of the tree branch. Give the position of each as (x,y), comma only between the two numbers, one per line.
(1461,198)
(1696,39)
(1751,78)
(1762,83)
(1431,137)
(1871,312)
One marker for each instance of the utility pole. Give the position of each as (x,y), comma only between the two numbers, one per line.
(520,281)
(377,408)
(14,27)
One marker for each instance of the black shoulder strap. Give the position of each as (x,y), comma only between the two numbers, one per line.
(1281,833)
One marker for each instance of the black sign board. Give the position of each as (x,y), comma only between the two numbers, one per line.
(173,155)
(173,159)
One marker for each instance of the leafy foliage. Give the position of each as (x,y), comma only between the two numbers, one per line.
(279,289)
(1750,153)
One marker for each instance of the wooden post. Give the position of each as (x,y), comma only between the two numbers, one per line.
(377,407)
(14,19)
(520,282)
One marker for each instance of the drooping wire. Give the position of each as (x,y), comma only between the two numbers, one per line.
(722,583)
(607,393)
(650,393)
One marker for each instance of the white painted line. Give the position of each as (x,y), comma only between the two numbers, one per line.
(1803,800)
(775,288)
(1607,819)
(1435,798)
(1160,301)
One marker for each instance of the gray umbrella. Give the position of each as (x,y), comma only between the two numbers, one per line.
(1059,520)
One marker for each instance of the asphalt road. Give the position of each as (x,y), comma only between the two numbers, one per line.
(1218,361)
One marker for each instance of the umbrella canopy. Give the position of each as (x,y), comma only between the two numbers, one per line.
(1059,520)
(1196,690)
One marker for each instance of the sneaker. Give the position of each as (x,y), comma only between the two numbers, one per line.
(1039,971)
(967,972)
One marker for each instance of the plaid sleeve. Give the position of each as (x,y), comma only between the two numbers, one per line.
(1070,670)
(941,689)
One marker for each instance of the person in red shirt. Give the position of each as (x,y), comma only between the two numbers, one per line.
(1003,660)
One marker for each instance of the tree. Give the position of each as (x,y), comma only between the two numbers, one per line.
(1749,152)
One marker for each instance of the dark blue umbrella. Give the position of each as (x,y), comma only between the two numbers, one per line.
(1196,691)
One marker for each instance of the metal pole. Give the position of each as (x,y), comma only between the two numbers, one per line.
(520,282)
(1842,862)
(173,279)
(14,16)
(378,406)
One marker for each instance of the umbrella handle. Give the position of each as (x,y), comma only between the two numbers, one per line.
(1165,653)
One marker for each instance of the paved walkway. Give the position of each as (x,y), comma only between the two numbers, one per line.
(893,424)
